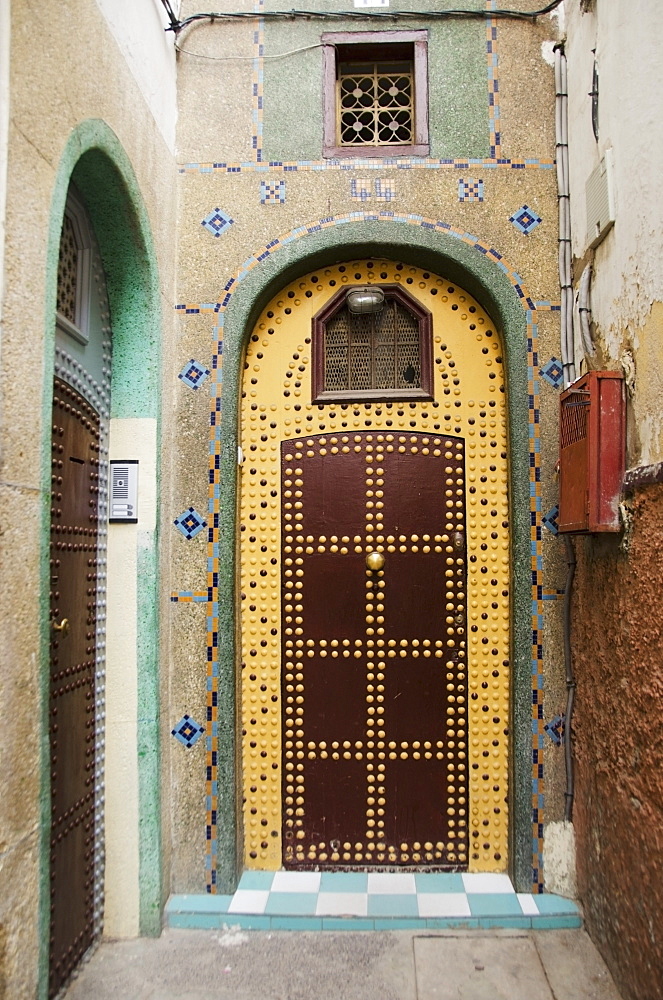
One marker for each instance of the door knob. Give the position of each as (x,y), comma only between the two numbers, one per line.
(62,627)
(374,561)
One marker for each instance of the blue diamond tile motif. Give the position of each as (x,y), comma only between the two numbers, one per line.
(556,729)
(272,194)
(190,523)
(553,373)
(550,520)
(193,374)
(187,731)
(525,219)
(217,222)
(470,190)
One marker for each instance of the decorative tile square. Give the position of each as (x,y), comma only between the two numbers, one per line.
(494,904)
(194,374)
(272,194)
(470,190)
(339,904)
(550,905)
(443,904)
(190,523)
(296,882)
(553,373)
(383,905)
(217,222)
(528,904)
(525,219)
(391,882)
(486,882)
(439,882)
(291,903)
(556,729)
(385,190)
(360,190)
(187,731)
(249,901)
(344,882)
(256,880)
(550,520)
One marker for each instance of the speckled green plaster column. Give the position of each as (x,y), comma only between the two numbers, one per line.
(485,279)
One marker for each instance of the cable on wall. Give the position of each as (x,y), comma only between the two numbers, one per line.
(363,15)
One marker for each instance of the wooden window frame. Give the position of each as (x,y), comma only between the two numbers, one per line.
(419,41)
(318,327)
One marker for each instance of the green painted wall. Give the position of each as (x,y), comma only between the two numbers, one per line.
(458,116)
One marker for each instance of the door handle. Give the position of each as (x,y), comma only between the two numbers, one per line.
(62,627)
(374,561)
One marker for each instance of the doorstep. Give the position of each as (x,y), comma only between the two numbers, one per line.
(366,901)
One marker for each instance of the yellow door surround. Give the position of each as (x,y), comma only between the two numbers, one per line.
(469,402)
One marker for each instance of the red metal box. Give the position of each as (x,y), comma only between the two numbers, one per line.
(592,448)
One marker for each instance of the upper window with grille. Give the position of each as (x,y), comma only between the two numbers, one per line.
(376,93)
(380,355)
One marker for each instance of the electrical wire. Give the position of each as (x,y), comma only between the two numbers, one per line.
(364,15)
(251,58)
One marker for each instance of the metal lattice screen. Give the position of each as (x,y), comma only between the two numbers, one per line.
(376,103)
(67,271)
(376,351)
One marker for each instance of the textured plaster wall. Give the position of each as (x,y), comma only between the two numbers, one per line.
(627,288)
(617,645)
(79,74)
(619,747)
(218,119)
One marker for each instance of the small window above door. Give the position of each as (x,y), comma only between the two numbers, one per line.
(385,354)
(375,93)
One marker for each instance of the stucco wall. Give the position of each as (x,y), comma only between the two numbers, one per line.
(627,286)
(619,747)
(78,74)
(616,640)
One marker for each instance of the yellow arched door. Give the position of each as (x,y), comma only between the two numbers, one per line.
(375,577)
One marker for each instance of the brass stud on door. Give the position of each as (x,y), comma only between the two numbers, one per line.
(374,561)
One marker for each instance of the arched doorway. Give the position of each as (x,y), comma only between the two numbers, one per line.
(79,511)
(122,407)
(375,701)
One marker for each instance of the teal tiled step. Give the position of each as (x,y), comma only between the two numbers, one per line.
(371,901)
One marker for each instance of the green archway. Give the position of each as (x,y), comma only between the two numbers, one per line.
(95,161)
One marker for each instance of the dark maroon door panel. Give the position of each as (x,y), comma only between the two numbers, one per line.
(374,659)
(73,567)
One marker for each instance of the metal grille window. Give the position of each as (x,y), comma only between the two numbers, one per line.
(375,93)
(376,103)
(73,289)
(380,355)
(67,271)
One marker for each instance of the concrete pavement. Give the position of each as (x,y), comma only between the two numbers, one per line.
(232,964)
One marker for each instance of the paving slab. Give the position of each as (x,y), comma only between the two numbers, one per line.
(479,968)
(234,964)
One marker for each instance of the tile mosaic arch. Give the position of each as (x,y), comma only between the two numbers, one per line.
(217,309)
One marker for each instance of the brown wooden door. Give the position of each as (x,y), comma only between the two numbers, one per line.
(374,661)
(74,498)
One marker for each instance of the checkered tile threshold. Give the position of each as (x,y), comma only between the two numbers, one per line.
(371,901)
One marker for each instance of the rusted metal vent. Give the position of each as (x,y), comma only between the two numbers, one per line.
(591,452)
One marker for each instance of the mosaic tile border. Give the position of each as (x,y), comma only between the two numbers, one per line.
(257,83)
(374,163)
(492,59)
(219,308)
